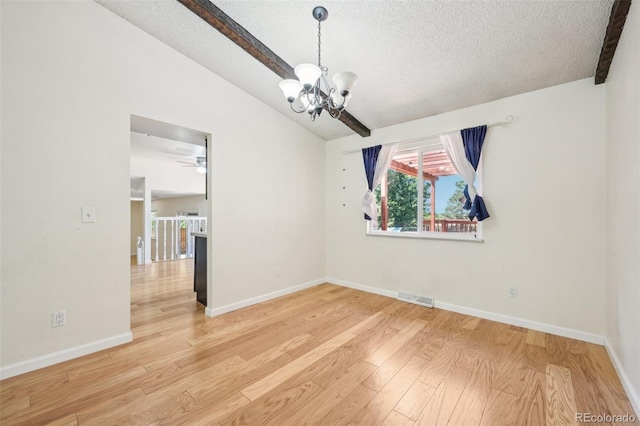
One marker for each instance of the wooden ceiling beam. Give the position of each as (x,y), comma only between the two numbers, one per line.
(618,16)
(235,32)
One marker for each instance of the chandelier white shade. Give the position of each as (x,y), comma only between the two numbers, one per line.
(311,90)
(344,82)
(308,74)
(291,89)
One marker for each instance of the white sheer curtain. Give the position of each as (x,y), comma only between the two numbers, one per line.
(369,200)
(454,147)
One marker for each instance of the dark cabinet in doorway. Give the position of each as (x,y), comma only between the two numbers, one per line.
(200,268)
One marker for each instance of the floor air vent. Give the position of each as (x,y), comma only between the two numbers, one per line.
(414,298)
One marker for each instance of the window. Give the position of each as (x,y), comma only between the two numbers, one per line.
(422,196)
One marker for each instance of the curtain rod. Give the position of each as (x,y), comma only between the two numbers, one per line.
(508,120)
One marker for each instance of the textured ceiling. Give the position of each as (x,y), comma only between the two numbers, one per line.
(414,58)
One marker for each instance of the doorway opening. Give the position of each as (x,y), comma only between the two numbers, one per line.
(169,190)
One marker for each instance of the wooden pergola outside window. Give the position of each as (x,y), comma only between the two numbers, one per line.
(434,165)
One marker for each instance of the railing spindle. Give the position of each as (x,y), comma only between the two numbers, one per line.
(173,253)
(188,236)
(164,236)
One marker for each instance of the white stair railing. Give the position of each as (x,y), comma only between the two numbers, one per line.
(173,239)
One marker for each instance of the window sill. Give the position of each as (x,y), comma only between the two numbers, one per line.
(429,236)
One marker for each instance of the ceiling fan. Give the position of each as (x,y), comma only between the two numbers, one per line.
(200,164)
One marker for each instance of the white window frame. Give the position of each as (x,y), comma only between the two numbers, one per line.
(452,236)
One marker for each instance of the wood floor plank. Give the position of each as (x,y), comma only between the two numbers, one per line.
(506,341)
(326,355)
(231,345)
(70,404)
(323,334)
(392,346)
(414,401)
(188,379)
(500,410)
(352,403)
(146,410)
(475,396)
(33,382)
(440,365)
(432,344)
(334,393)
(440,406)
(531,402)
(208,413)
(274,379)
(383,403)
(95,411)
(68,420)
(354,352)
(74,396)
(315,328)
(535,357)
(246,373)
(396,419)
(510,372)
(11,406)
(391,366)
(586,393)
(278,408)
(598,369)
(479,343)
(536,338)
(471,323)
(560,402)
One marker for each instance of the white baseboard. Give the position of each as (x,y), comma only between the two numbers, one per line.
(520,322)
(212,312)
(65,355)
(368,289)
(632,392)
(534,325)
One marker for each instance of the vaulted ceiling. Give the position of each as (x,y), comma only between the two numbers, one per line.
(414,58)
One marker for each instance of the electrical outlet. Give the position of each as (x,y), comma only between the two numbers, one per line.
(513,292)
(59,318)
(277,272)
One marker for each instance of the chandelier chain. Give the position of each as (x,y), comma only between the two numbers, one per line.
(319,33)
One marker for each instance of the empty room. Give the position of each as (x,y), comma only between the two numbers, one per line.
(343,212)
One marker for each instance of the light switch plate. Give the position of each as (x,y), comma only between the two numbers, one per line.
(88,214)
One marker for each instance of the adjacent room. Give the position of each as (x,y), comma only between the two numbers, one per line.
(436,224)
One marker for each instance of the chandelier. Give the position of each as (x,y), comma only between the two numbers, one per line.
(312,89)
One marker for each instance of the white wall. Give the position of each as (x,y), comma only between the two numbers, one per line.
(72,74)
(168,207)
(623,204)
(544,188)
(137,225)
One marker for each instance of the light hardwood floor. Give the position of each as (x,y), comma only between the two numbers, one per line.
(327,355)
